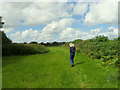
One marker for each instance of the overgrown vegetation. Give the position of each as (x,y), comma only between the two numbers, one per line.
(9,48)
(101,48)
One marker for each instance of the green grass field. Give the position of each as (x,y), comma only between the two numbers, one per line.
(52,70)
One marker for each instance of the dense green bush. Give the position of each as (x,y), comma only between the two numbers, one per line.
(100,48)
(23,49)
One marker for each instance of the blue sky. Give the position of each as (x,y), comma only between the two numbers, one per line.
(60,21)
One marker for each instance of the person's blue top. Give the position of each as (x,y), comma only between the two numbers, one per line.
(72,49)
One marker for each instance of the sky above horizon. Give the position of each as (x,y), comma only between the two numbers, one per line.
(59,21)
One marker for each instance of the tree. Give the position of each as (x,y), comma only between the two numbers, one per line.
(33,42)
(5,39)
(42,43)
(25,42)
(101,38)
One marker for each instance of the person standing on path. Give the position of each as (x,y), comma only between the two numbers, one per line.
(72,53)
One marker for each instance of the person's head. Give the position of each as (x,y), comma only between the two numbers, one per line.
(71,45)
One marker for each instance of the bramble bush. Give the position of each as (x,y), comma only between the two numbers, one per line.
(101,48)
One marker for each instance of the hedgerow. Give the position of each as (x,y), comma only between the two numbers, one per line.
(9,48)
(23,49)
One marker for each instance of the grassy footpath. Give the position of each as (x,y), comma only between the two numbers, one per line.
(52,70)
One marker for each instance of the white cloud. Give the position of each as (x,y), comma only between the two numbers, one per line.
(111,29)
(102,13)
(70,34)
(67,34)
(56,26)
(44,13)
(25,36)
(34,13)
(111,33)
(58,20)
(48,33)
(95,31)
(29,33)
(80,8)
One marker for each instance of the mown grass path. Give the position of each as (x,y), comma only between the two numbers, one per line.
(52,70)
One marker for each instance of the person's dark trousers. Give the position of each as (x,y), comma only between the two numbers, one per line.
(72,58)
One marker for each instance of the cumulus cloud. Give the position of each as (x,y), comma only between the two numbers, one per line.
(111,33)
(44,13)
(56,26)
(80,8)
(60,27)
(57,18)
(25,36)
(67,34)
(102,13)
(34,13)
(70,34)
(47,34)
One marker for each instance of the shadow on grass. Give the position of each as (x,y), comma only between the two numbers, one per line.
(79,63)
